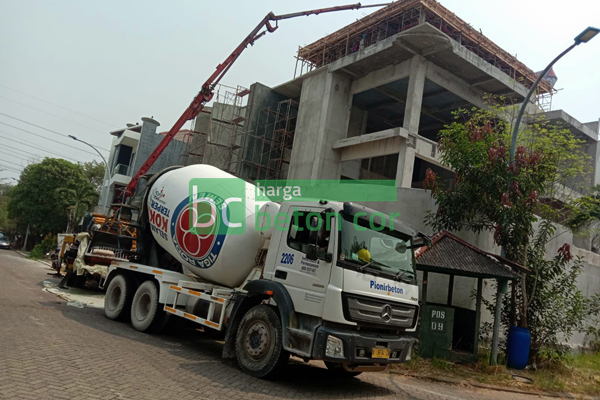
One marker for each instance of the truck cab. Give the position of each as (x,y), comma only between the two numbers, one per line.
(349,272)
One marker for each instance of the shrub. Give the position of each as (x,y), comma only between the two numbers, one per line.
(47,245)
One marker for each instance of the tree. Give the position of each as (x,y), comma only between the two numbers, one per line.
(7,224)
(79,199)
(34,200)
(585,215)
(94,172)
(556,307)
(491,194)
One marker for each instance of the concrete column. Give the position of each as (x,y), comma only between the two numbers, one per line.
(412,116)
(414,97)
(406,165)
(477,316)
(496,331)
(323,117)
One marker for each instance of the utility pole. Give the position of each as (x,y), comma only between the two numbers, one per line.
(26,236)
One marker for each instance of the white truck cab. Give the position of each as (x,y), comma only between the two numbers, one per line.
(352,283)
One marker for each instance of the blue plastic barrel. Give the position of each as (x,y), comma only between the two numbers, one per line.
(517,347)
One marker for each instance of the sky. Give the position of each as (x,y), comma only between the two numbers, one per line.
(85,68)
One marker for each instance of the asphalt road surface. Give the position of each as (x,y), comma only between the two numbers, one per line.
(49,350)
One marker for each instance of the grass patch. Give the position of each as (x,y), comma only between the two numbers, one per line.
(586,361)
(579,374)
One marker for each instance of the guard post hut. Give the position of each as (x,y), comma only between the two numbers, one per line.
(448,331)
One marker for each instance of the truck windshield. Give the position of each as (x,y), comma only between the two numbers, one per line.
(384,252)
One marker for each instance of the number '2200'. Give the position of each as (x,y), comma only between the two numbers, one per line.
(287,258)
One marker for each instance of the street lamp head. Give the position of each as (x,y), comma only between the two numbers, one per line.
(72,137)
(587,35)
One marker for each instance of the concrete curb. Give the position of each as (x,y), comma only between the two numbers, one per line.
(492,387)
(27,255)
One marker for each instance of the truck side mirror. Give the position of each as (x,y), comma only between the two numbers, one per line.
(311,252)
(313,255)
(401,247)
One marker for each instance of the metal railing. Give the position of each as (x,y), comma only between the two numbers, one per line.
(121,169)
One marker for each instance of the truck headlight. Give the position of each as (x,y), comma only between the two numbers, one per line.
(335,347)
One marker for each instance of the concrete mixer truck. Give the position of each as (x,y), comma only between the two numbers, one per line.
(309,278)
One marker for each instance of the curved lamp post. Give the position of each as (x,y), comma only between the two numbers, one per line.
(103,159)
(95,149)
(584,37)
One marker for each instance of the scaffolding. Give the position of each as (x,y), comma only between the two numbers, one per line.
(269,148)
(403,15)
(219,137)
(544,101)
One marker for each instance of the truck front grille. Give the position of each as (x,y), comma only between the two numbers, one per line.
(380,312)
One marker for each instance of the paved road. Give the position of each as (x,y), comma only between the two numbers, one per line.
(49,350)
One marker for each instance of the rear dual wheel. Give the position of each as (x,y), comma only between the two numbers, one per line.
(147,314)
(117,301)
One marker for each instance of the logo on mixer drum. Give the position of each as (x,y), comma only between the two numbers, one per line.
(200,250)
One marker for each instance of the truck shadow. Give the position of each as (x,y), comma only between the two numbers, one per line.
(309,380)
(200,354)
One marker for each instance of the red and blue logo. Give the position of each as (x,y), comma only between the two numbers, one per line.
(199,250)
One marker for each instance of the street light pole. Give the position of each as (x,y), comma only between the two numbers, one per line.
(105,167)
(100,154)
(584,37)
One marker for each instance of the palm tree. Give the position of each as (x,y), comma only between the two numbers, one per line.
(79,199)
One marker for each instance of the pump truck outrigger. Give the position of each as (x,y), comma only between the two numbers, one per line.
(346,295)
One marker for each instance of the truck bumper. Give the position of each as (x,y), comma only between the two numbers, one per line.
(358,346)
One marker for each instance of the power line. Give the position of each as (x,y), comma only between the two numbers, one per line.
(56,105)
(12,164)
(46,129)
(9,168)
(53,115)
(12,155)
(29,153)
(43,137)
(35,147)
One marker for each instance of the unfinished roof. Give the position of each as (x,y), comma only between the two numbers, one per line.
(406,14)
(451,255)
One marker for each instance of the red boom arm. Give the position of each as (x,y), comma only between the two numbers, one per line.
(206,93)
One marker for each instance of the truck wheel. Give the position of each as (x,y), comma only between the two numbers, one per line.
(146,313)
(259,343)
(338,370)
(117,302)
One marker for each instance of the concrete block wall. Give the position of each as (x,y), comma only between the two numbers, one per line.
(172,155)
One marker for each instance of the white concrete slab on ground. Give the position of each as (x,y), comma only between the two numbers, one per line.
(74,297)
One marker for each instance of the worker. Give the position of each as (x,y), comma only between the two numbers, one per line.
(323,240)
(323,237)
(359,45)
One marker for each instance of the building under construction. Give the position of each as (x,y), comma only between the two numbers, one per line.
(368,101)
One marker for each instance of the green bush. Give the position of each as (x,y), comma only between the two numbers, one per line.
(47,245)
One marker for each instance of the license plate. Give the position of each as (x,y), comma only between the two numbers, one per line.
(381,353)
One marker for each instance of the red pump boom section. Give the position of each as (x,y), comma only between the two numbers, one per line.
(207,91)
